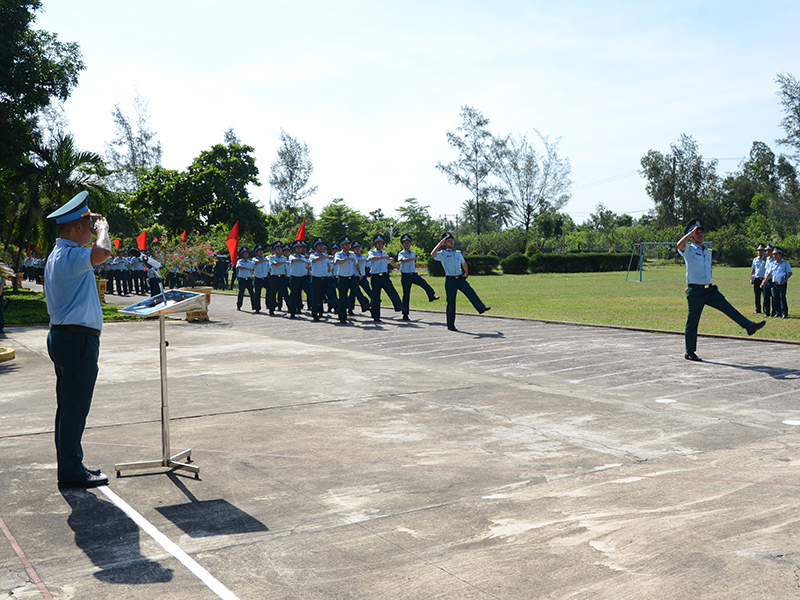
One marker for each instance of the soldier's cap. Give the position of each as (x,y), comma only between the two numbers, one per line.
(345,238)
(695,223)
(761,247)
(446,235)
(243,250)
(377,238)
(258,247)
(335,246)
(770,247)
(405,237)
(319,240)
(277,244)
(355,243)
(298,243)
(778,250)
(73,210)
(286,247)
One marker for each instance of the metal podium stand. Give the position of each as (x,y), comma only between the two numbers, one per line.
(168,302)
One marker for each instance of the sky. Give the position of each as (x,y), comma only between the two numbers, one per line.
(372,87)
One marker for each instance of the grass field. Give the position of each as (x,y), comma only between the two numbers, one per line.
(603,298)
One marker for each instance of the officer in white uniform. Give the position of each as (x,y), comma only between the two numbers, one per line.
(76,320)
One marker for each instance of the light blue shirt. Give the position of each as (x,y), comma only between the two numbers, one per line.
(410,266)
(349,268)
(261,268)
(780,272)
(451,261)
(298,265)
(377,267)
(278,265)
(71,291)
(245,267)
(698,264)
(320,268)
(759,267)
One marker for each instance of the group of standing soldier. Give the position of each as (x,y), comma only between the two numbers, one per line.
(341,276)
(769,276)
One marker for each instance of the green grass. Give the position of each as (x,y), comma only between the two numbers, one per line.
(30,308)
(603,298)
(606,298)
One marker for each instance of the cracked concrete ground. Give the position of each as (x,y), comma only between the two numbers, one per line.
(514,459)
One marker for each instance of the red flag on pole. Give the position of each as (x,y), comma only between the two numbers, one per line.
(116,244)
(233,242)
(301,233)
(183,239)
(141,240)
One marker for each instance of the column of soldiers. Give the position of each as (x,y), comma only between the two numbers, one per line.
(33,267)
(769,275)
(339,279)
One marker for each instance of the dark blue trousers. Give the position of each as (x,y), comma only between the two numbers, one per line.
(453,285)
(261,283)
(75,358)
(698,297)
(409,279)
(381,282)
(779,306)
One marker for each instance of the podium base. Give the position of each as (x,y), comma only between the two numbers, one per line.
(173,462)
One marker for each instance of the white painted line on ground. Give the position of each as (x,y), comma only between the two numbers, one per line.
(791,422)
(187,561)
(647,381)
(613,362)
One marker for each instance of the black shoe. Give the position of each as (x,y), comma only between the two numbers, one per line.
(365,307)
(753,327)
(405,317)
(452,329)
(351,313)
(93,471)
(692,356)
(315,319)
(398,309)
(257,311)
(238,308)
(88,481)
(340,322)
(272,313)
(484,309)
(432,298)
(377,321)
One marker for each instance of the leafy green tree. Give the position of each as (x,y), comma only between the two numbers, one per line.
(534,183)
(135,149)
(290,173)
(681,184)
(336,220)
(416,221)
(790,101)
(476,161)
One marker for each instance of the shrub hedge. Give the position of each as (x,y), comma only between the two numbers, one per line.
(516,264)
(477,265)
(578,263)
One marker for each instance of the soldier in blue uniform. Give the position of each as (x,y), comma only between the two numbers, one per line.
(379,262)
(701,291)
(758,271)
(278,277)
(299,269)
(456,272)
(261,277)
(409,276)
(244,274)
(320,272)
(76,320)
(779,273)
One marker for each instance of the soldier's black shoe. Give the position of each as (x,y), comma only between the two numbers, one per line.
(432,298)
(753,327)
(484,309)
(692,356)
(452,329)
(405,317)
(87,481)
(93,471)
(365,307)
(350,312)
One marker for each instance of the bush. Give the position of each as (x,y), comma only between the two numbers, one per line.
(482,265)
(532,250)
(435,268)
(578,263)
(516,264)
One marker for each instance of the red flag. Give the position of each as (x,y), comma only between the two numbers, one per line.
(141,240)
(183,239)
(233,242)
(37,243)
(301,233)
(116,244)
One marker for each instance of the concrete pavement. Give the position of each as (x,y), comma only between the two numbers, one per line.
(513,459)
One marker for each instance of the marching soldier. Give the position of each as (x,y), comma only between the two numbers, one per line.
(261,275)
(278,276)
(244,268)
(409,276)
(320,272)
(299,268)
(347,264)
(363,282)
(379,262)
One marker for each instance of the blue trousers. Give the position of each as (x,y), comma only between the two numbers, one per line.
(453,285)
(381,281)
(75,358)
(698,297)
(278,292)
(409,279)
(779,306)
(261,283)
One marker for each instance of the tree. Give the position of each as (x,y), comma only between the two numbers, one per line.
(135,149)
(290,173)
(790,100)
(534,183)
(681,184)
(476,161)
(336,220)
(416,221)
(212,190)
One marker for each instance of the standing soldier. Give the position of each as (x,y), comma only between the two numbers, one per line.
(73,342)
(770,260)
(320,272)
(261,275)
(701,291)
(278,277)
(409,276)
(456,273)
(347,263)
(244,269)
(757,274)
(777,277)
(379,262)
(363,282)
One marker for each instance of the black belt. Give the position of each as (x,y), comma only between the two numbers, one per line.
(276,275)
(77,329)
(453,276)
(377,274)
(700,285)
(345,276)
